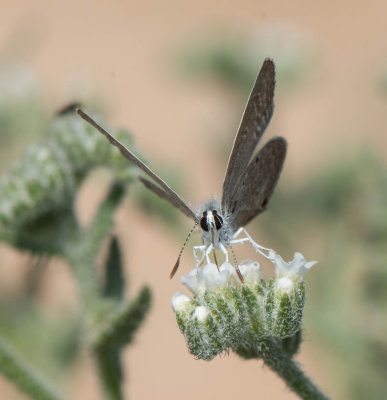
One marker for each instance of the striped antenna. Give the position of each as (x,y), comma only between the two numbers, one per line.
(238,271)
(173,272)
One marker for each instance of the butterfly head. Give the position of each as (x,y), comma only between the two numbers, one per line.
(211,220)
(213,223)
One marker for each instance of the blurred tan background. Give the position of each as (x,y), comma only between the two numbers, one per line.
(124,52)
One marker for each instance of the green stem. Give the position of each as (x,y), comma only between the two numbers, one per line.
(83,247)
(276,359)
(23,375)
(82,262)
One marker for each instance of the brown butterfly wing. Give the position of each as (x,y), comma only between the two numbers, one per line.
(257,183)
(166,196)
(255,119)
(164,190)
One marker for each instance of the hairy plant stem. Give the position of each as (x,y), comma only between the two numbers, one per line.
(273,355)
(81,256)
(104,316)
(85,273)
(23,375)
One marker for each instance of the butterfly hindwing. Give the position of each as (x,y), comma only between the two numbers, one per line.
(255,186)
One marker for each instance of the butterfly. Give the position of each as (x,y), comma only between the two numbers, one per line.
(249,180)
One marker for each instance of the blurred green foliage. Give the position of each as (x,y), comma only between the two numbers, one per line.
(339,216)
(23,118)
(51,344)
(233,60)
(37,216)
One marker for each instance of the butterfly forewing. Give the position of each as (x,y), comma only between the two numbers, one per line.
(165,191)
(256,184)
(255,119)
(165,195)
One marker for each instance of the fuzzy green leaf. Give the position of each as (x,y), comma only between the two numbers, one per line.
(109,365)
(114,278)
(120,328)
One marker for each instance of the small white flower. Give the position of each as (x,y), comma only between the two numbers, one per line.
(180,302)
(201,313)
(294,269)
(207,277)
(284,285)
(251,271)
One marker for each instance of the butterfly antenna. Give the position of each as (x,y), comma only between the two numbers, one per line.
(238,271)
(213,249)
(173,272)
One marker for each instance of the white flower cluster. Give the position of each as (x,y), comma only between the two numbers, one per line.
(288,273)
(199,280)
(225,313)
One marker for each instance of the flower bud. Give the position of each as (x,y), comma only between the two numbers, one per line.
(32,187)
(47,177)
(223,312)
(284,307)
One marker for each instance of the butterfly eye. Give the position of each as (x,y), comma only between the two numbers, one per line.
(203,222)
(218,220)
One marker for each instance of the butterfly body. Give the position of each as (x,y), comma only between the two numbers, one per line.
(249,180)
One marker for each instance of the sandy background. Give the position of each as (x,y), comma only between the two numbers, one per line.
(122,49)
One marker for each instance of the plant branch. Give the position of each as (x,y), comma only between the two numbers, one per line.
(23,375)
(273,355)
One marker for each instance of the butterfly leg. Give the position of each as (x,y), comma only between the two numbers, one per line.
(224,251)
(258,248)
(208,251)
(202,250)
(205,251)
